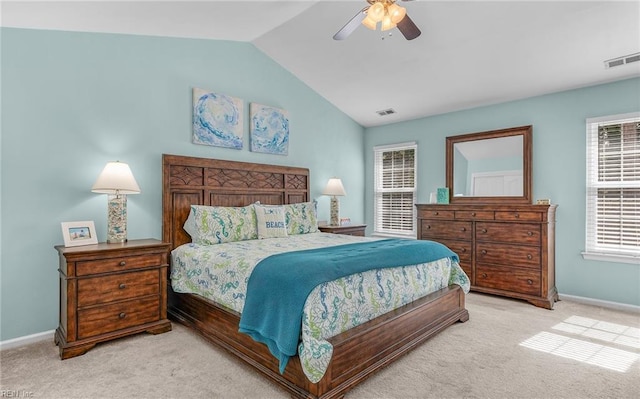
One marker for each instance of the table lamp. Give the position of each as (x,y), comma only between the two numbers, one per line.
(116,180)
(334,189)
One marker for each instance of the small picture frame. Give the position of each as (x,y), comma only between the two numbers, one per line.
(79,233)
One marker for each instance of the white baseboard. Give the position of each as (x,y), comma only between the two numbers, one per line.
(26,340)
(604,304)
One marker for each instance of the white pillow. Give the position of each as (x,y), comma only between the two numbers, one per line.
(271,221)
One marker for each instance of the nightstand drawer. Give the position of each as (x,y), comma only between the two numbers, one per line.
(108,318)
(99,290)
(117,264)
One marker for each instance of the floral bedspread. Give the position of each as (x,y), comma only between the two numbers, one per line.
(221,272)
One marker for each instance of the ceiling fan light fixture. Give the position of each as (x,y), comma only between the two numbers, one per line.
(387,23)
(376,12)
(396,12)
(370,23)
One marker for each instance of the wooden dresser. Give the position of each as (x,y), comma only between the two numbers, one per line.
(108,291)
(506,250)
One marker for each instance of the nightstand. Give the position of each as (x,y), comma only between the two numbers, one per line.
(351,230)
(108,291)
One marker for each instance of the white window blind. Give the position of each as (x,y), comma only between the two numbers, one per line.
(613,187)
(395,189)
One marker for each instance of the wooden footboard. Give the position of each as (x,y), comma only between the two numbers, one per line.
(357,353)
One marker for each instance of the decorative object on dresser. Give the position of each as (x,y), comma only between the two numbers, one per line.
(506,250)
(109,291)
(116,180)
(357,352)
(334,189)
(351,230)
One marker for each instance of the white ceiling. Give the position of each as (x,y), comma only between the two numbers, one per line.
(470,53)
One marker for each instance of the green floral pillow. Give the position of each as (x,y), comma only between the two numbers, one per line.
(301,218)
(208,225)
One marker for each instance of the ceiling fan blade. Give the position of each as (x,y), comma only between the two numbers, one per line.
(351,25)
(408,29)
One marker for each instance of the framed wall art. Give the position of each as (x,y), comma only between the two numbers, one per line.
(79,233)
(217,119)
(269,129)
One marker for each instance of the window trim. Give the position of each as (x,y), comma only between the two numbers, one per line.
(395,147)
(592,251)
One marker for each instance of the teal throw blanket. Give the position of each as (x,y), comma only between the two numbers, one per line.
(279,285)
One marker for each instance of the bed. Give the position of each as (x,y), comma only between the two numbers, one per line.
(357,352)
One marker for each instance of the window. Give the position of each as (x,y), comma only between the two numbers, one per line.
(395,189)
(613,188)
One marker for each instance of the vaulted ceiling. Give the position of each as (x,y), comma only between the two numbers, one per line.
(470,53)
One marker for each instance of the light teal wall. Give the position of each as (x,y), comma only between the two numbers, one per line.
(73,101)
(559,149)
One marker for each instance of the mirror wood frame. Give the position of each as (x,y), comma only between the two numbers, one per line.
(525,132)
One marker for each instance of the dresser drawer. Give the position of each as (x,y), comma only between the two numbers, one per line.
(106,289)
(509,255)
(117,264)
(108,318)
(434,214)
(511,279)
(474,215)
(519,216)
(519,233)
(446,230)
(463,250)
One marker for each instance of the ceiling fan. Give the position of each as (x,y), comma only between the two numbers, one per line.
(385,12)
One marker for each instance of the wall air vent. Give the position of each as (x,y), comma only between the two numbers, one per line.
(627,59)
(385,112)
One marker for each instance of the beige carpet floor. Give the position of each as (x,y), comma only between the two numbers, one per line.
(508,349)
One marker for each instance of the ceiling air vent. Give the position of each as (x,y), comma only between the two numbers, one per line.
(627,59)
(385,112)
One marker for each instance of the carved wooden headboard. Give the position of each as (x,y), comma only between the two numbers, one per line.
(190,181)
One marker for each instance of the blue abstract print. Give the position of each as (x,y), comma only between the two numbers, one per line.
(217,119)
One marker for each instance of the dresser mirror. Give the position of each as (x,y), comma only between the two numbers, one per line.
(490,167)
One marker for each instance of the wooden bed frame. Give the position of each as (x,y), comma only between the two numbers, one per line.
(357,352)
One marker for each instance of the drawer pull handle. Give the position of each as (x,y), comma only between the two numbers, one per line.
(428,226)
(122,315)
(517,215)
(463,229)
(484,230)
(463,250)
(529,256)
(529,281)
(123,263)
(484,252)
(473,214)
(122,286)
(484,275)
(529,233)
(436,213)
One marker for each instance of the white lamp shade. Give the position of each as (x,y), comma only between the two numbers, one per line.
(334,187)
(116,178)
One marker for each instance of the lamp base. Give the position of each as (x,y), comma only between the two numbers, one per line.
(117,219)
(335,212)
